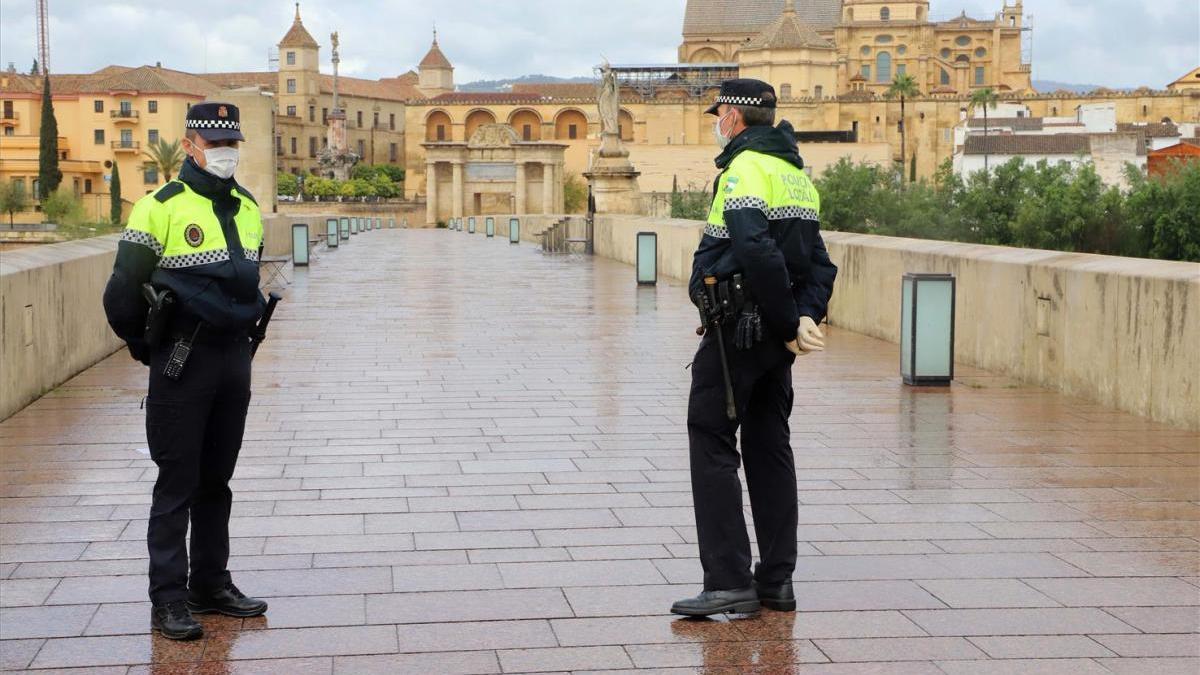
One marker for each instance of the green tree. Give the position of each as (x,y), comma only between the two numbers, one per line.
(49,175)
(984,98)
(575,193)
(114,191)
(319,186)
(847,195)
(287,185)
(1164,212)
(383,186)
(63,207)
(904,86)
(13,199)
(168,157)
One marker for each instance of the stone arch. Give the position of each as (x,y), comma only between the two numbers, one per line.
(527,123)
(707,55)
(625,124)
(477,118)
(570,124)
(437,126)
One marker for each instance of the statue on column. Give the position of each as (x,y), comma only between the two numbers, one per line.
(609,101)
(335,159)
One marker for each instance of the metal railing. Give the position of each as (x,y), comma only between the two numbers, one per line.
(123,114)
(125,145)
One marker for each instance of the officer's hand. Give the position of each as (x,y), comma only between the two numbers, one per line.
(794,347)
(809,336)
(140,351)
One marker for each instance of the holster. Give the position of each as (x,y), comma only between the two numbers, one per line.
(158,317)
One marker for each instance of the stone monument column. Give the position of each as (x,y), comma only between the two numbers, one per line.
(457,208)
(612,177)
(548,187)
(520,188)
(431,194)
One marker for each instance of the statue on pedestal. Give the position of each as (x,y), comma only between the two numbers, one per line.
(611,177)
(609,102)
(335,159)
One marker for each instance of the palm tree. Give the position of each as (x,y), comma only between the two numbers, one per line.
(986,98)
(904,86)
(166,156)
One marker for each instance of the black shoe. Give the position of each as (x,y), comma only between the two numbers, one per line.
(780,598)
(228,601)
(174,621)
(737,601)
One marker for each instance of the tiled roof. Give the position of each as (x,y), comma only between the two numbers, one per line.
(153,80)
(788,32)
(719,17)
(1014,123)
(1031,144)
(1153,129)
(387,90)
(435,58)
(559,89)
(267,80)
(297,36)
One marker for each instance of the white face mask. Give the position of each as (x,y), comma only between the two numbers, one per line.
(722,140)
(221,161)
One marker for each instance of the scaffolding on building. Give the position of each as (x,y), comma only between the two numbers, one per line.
(693,78)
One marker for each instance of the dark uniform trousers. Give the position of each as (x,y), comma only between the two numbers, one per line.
(762,385)
(194,426)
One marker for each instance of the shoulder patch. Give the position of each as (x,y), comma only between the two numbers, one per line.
(246,194)
(167,191)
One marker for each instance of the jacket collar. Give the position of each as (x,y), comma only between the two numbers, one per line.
(778,141)
(204,183)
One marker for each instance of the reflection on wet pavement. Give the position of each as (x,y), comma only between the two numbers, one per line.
(467,457)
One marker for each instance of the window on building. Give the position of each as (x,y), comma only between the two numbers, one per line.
(152,106)
(441,132)
(883,39)
(87,186)
(392,121)
(9,131)
(980,53)
(279,145)
(785,91)
(324,115)
(866,71)
(126,107)
(98,106)
(150,173)
(885,14)
(866,50)
(527,132)
(98,136)
(362,148)
(293,145)
(359,119)
(127,138)
(291,58)
(901,69)
(312,146)
(393,152)
(945,53)
(962,40)
(572,131)
(8,110)
(819,91)
(152,136)
(945,79)
(375,120)
(980,75)
(291,85)
(883,66)
(291,111)
(902,50)
(312,113)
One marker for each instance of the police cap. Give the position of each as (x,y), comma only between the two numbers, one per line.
(745,92)
(215,121)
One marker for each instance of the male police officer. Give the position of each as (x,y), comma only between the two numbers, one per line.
(198,238)
(763,278)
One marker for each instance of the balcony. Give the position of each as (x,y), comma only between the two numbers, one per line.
(126,146)
(119,116)
(9,118)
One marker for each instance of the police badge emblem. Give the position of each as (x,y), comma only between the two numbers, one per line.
(193,235)
(222,111)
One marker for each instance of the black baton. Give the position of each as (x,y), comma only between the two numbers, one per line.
(710,288)
(260,330)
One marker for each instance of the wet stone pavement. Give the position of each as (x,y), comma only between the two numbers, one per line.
(467,457)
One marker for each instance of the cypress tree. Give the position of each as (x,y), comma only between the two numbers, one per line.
(48,174)
(114,191)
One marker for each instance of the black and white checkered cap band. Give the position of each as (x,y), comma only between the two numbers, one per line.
(739,100)
(212,124)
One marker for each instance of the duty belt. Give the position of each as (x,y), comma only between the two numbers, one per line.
(736,307)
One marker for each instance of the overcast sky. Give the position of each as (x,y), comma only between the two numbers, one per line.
(1115,43)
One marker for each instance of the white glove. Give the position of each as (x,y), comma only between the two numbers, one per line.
(809,338)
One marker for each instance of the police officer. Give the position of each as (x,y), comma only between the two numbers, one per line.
(199,238)
(762,248)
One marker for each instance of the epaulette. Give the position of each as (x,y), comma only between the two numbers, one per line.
(167,191)
(246,194)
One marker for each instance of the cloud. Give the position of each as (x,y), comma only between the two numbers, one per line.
(1109,42)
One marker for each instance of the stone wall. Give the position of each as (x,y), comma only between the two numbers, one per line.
(1118,331)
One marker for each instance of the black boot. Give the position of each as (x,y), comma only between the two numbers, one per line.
(737,601)
(174,621)
(779,597)
(228,601)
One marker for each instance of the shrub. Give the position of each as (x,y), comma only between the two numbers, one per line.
(63,207)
